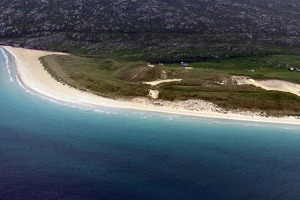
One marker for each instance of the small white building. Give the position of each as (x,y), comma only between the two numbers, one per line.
(184,64)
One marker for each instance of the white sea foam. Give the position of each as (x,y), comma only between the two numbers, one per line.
(99,111)
(22,86)
(6,60)
(53,101)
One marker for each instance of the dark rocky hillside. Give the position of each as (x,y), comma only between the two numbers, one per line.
(164,29)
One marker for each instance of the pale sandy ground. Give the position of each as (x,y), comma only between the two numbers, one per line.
(278,85)
(35,77)
(153,83)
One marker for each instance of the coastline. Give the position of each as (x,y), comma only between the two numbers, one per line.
(33,75)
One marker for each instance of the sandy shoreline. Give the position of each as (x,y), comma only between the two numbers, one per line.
(35,77)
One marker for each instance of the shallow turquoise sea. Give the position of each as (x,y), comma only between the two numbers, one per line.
(52,150)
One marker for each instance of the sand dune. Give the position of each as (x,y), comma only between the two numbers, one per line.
(277,85)
(35,77)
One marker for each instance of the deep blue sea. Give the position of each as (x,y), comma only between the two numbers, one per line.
(52,150)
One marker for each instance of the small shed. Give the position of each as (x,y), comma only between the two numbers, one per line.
(184,64)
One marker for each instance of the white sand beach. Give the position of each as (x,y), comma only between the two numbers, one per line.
(35,77)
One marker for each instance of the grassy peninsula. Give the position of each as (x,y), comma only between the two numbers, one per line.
(115,77)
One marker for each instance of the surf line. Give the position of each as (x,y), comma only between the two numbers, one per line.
(5,56)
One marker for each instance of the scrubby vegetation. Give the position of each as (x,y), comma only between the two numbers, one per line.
(193,30)
(211,80)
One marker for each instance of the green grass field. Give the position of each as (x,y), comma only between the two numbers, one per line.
(270,67)
(113,78)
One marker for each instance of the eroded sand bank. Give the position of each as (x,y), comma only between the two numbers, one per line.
(277,85)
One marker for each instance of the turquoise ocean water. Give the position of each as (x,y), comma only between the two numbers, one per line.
(52,150)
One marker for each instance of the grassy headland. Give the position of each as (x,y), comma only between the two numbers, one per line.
(113,77)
